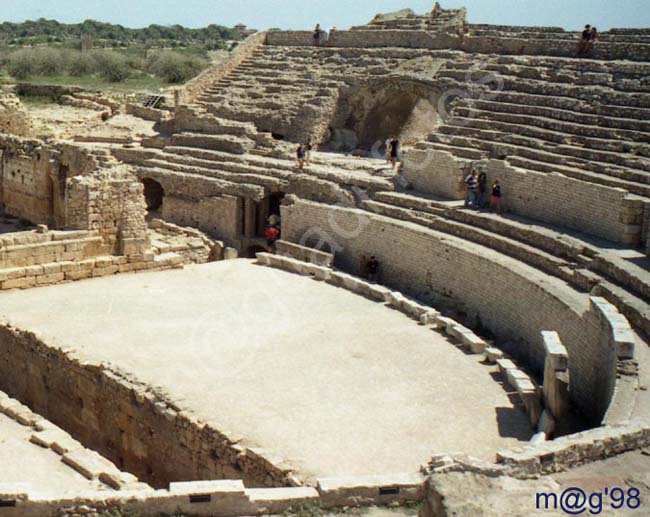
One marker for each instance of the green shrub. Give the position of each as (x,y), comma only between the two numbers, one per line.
(175,67)
(21,64)
(112,66)
(80,63)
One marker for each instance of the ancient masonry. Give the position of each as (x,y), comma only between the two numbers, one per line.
(556,291)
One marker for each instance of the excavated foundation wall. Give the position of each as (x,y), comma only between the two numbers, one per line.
(507,297)
(129,423)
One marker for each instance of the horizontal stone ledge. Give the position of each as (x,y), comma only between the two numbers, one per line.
(220,486)
(368,490)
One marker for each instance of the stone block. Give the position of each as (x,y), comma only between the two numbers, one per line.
(492,354)
(277,500)
(378,292)
(230,254)
(505,365)
(518,378)
(88,463)
(263,258)
(556,353)
(19,283)
(430,318)
(220,486)
(368,490)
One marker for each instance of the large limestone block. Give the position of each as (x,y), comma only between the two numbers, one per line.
(367,490)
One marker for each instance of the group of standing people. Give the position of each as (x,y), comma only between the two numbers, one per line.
(589,37)
(303,154)
(320,36)
(477,192)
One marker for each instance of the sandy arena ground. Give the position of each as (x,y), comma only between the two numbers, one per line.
(333,382)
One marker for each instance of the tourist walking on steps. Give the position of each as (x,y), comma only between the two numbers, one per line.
(316,36)
(497,197)
(482,190)
(372,266)
(300,156)
(471,181)
(584,40)
(308,149)
(394,151)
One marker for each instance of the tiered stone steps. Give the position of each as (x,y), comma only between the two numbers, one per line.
(532,111)
(621,275)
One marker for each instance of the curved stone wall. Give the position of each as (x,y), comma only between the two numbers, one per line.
(512,300)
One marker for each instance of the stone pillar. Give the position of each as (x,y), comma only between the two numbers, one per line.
(249,218)
(556,376)
(263,213)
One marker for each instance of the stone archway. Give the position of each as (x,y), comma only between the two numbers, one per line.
(373,111)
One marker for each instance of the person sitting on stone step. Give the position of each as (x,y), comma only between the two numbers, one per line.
(584,40)
(593,37)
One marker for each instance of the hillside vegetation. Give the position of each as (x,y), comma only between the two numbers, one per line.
(42,31)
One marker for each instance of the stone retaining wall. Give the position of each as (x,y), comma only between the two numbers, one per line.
(491,288)
(221,498)
(607,212)
(135,426)
(467,43)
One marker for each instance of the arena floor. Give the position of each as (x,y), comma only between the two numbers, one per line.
(333,382)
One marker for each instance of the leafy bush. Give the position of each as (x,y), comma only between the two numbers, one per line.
(112,66)
(21,64)
(80,64)
(175,67)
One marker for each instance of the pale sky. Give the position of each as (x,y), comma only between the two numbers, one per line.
(303,14)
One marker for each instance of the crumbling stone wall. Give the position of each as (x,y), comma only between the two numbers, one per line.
(115,208)
(26,168)
(486,285)
(14,118)
(65,186)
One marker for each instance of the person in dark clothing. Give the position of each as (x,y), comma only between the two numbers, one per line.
(372,267)
(482,189)
(593,37)
(584,40)
(316,36)
(497,197)
(300,156)
(394,151)
(471,181)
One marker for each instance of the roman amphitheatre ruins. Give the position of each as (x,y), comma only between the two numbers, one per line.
(157,357)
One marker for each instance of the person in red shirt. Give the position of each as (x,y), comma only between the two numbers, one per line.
(271,234)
